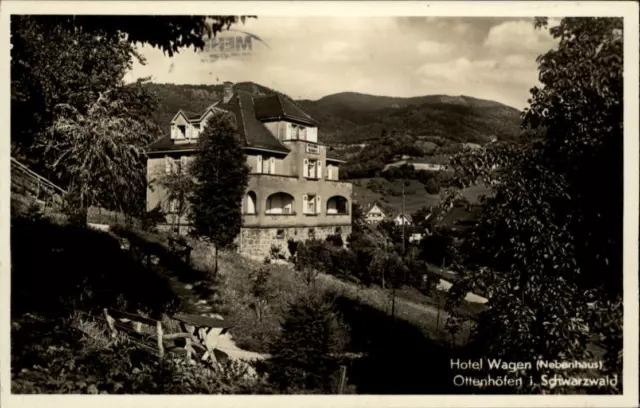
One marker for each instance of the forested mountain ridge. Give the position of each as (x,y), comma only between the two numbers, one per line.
(352,118)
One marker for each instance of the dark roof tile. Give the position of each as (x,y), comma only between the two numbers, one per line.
(278,107)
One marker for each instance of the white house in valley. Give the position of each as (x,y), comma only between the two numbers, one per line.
(375,214)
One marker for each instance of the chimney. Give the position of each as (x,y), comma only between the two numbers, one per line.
(228,92)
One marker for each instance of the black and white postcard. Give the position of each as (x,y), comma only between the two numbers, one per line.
(320,203)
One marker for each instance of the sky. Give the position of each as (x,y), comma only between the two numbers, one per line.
(311,57)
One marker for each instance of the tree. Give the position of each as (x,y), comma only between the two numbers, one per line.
(432,186)
(70,59)
(100,152)
(547,249)
(420,216)
(305,355)
(221,175)
(179,186)
(358,221)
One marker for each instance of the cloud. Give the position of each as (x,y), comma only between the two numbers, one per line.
(506,80)
(338,51)
(433,48)
(520,35)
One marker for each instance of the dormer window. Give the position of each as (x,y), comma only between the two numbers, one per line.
(182,131)
(196,130)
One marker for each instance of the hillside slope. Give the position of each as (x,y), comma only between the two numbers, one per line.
(352,118)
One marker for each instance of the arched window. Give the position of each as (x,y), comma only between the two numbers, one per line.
(251,203)
(279,203)
(337,205)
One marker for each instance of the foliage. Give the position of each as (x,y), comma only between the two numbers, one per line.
(74,72)
(312,256)
(292,246)
(179,185)
(69,97)
(304,357)
(152,218)
(65,361)
(335,240)
(222,176)
(547,248)
(97,272)
(432,186)
(358,222)
(437,248)
(168,33)
(359,118)
(100,152)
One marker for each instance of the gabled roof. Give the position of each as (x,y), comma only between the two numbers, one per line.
(407,216)
(375,205)
(252,132)
(276,107)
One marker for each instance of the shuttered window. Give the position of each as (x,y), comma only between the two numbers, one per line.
(305,204)
(318,205)
(272,165)
(319,166)
(305,168)
(259,164)
(329,172)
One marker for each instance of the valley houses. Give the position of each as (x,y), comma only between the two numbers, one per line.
(294,190)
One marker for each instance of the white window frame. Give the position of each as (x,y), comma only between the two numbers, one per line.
(307,199)
(259,164)
(272,165)
(329,172)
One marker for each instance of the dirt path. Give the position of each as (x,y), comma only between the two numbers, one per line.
(196,294)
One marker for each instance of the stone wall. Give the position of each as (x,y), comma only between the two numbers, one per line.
(257,242)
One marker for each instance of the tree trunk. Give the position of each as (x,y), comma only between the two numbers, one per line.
(215,268)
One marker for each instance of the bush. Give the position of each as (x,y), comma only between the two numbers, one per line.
(432,186)
(335,240)
(151,219)
(304,357)
(292,245)
(63,362)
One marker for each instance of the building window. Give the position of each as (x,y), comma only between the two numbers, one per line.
(251,202)
(258,164)
(329,172)
(272,165)
(312,169)
(280,234)
(182,131)
(311,204)
(196,130)
(280,203)
(337,205)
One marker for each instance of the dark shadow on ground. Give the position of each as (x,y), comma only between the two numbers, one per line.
(399,359)
(58,268)
(188,284)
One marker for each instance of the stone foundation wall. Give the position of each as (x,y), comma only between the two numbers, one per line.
(257,242)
